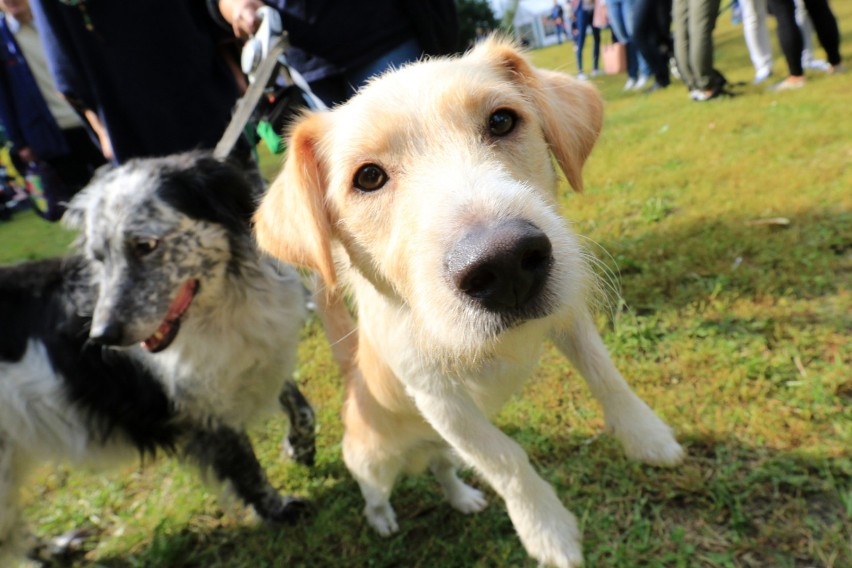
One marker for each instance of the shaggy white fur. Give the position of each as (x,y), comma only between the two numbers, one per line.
(431,195)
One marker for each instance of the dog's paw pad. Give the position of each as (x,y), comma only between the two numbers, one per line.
(382,518)
(468,500)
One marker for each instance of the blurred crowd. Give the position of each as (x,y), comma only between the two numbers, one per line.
(657,39)
(84,83)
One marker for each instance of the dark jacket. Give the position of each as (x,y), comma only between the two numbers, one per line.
(332,37)
(23,110)
(152,70)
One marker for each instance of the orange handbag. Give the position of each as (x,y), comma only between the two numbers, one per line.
(614,58)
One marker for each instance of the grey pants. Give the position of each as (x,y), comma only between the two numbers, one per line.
(694,21)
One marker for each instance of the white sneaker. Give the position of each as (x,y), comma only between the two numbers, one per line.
(597,73)
(629,84)
(640,82)
(582,76)
(816,65)
(675,72)
(762,75)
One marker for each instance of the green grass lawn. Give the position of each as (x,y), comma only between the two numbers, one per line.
(736,332)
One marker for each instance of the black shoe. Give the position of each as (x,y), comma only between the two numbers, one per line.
(653,88)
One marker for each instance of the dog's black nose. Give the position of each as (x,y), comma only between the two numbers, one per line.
(108,334)
(502,266)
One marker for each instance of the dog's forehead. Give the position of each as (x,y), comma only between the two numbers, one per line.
(128,202)
(440,91)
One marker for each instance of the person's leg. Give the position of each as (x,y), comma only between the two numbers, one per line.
(664,10)
(804,23)
(825,25)
(789,35)
(596,49)
(643,69)
(756,33)
(702,22)
(681,16)
(646,39)
(583,21)
(617,10)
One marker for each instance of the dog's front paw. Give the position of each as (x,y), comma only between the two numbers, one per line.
(554,542)
(662,450)
(651,442)
(382,518)
(299,450)
(467,500)
(643,435)
(286,511)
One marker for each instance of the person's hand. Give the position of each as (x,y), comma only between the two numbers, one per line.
(27,155)
(242,14)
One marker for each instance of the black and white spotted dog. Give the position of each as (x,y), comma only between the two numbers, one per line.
(168,331)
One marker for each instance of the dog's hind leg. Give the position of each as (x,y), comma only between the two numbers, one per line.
(642,434)
(231,457)
(300,443)
(461,496)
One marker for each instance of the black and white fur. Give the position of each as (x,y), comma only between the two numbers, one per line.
(77,383)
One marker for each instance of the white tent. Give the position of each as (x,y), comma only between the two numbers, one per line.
(532,25)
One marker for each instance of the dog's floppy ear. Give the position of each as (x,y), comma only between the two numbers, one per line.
(571,110)
(293,222)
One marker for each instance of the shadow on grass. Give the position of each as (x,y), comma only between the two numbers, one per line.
(727,505)
(679,265)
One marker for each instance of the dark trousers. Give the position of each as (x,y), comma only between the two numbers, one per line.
(790,36)
(652,24)
(584,20)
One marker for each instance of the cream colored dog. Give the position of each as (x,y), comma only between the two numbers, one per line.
(431,194)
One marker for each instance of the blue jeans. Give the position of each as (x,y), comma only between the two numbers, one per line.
(621,20)
(560,31)
(584,20)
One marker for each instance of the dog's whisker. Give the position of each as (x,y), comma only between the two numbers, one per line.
(349,334)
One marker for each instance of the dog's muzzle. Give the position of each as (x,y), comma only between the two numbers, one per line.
(502,267)
(113,333)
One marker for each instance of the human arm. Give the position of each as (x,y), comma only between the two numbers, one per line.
(101,132)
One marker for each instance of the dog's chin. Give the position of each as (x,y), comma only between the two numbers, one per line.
(471,334)
(170,326)
(500,321)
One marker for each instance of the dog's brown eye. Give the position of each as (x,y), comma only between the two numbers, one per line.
(143,246)
(370,178)
(502,122)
